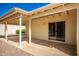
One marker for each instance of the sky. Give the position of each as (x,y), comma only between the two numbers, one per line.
(4,7)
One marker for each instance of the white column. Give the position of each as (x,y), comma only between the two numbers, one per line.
(77,31)
(20,30)
(6,31)
(30,31)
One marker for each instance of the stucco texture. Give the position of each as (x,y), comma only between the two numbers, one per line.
(40,26)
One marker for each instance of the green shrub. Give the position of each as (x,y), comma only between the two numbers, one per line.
(17,31)
(23,31)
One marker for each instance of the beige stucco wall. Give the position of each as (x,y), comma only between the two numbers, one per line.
(40,26)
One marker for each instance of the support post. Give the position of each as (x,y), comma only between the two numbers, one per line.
(77,31)
(30,31)
(6,31)
(20,30)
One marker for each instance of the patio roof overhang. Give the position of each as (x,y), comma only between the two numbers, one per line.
(12,17)
(52,9)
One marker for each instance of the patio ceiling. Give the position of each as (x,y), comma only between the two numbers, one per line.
(12,17)
(53,9)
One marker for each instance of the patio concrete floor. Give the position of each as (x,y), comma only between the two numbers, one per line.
(44,48)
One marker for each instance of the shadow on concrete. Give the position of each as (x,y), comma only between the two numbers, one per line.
(6,49)
(69,49)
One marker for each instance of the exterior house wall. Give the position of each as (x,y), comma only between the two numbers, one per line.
(2,29)
(40,26)
(11,29)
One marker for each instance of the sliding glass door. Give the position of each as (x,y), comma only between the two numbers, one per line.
(57,31)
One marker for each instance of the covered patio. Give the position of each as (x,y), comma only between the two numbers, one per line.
(38,46)
(19,17)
